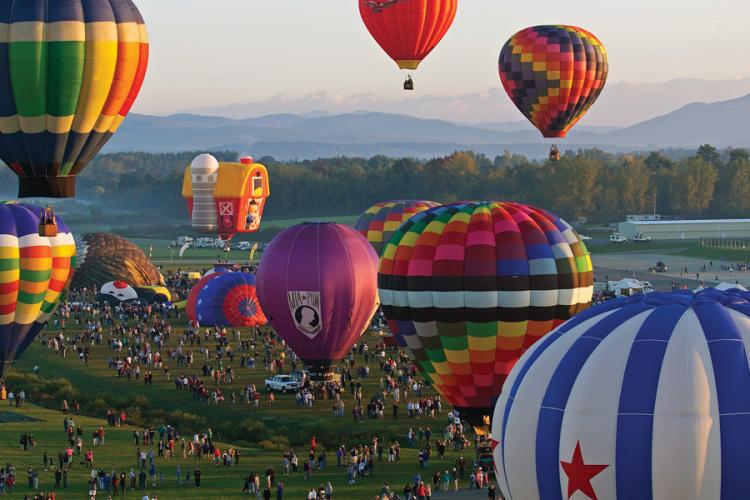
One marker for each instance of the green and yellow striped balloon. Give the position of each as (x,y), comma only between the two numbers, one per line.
(34,273)
(70,70)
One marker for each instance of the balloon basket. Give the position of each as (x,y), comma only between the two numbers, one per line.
(478,418)
(48,230)
(322,374)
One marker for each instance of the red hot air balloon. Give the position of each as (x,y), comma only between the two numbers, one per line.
(317,284)
(408,30)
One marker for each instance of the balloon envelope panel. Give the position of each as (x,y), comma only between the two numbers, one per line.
(34,273)
(640,397)
(318,286)
(467,288)
(553,74)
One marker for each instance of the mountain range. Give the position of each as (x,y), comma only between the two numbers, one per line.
(364,133)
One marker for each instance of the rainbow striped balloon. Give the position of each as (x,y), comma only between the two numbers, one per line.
(380,221)
(467,288)
(34,273)
(70,71)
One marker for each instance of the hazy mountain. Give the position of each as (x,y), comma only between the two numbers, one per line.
(621,104)
(363,133)
(722,124)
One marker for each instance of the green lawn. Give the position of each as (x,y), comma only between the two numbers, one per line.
(260,434)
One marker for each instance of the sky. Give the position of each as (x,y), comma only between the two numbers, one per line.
(212,54)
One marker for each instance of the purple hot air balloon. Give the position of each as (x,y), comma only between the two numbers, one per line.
(317,284)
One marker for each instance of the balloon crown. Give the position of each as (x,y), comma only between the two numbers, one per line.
(686,298)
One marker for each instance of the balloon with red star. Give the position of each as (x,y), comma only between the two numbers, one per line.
(644,397)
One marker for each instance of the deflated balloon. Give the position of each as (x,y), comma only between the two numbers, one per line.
(70,70)
(553,74)
(35,271)
(105,257)
(467,288)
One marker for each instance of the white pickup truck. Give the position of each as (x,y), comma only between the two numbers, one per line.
(282,384)
(617,238)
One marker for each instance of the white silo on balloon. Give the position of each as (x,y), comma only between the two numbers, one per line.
(204,171)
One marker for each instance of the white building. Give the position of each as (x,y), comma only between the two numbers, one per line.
(687,229)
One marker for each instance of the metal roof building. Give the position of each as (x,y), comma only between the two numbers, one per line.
(687,229)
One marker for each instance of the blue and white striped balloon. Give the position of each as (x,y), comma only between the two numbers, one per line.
(641,398)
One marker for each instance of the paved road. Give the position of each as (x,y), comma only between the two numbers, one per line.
(635,265)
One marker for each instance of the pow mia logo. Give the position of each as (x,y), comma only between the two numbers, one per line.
(305,310)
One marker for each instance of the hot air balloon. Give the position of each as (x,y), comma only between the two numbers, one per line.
(553,74)
(116,292)
(379,222)
(641,397)
(105,257)
(408,30)
(317,284)
(225,198)
(69,73)
(467,288)
(225,299)
(36,271)
(155,294)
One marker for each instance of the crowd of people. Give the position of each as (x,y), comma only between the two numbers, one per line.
(207,363)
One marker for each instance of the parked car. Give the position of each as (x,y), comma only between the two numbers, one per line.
(617,238)
(641,238)
(282,383)
(659,267)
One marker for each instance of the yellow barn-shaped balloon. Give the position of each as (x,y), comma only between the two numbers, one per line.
(225,198)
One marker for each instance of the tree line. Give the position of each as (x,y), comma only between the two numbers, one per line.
(590,184)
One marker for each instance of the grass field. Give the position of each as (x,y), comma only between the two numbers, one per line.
(261,434)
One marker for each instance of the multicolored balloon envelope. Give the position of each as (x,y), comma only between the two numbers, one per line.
(225,299)
(318,285)
(379,222)
(553,74)
(467,288)
(644,397)
(70,70)
(34,273)
(408,30)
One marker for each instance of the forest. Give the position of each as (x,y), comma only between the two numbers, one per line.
(591,184)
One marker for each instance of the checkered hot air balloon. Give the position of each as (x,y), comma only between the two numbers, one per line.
(553,74)
(379,222)
(70,70)
(646,397)
(467,288)
(225,299)
(34,273)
